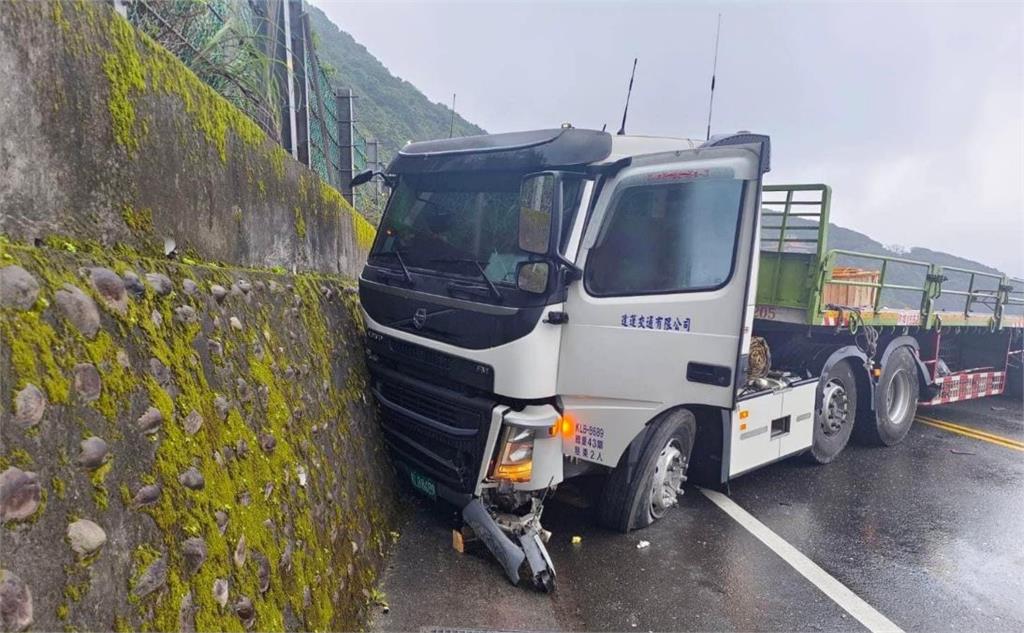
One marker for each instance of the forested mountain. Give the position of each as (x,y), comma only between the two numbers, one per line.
(388,108)
(393,111)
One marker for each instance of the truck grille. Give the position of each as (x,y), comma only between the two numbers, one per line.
(434,430)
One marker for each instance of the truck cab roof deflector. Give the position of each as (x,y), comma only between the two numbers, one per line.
(534,150)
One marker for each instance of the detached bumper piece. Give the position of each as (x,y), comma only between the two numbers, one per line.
(510,555)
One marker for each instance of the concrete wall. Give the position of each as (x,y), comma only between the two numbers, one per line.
(184,447)
(186,442)
(105,136)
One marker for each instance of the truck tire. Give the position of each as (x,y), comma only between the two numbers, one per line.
(835,410)
(895,402)
(630,503)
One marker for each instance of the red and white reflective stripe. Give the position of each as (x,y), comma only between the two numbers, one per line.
(967,386)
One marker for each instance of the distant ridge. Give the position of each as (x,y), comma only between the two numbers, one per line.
(387,108)
(394,112)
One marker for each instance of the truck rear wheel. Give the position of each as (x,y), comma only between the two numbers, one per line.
(834,413)
(630,503)
(895,402)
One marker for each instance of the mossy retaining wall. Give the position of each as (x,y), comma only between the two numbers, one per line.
(238,480)
(105,136)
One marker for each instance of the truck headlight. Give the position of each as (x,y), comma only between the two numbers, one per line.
(516,460)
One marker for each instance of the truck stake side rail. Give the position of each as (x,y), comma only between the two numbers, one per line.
(801,281)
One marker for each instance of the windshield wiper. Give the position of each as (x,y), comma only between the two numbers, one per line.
(401,264)
(465,260)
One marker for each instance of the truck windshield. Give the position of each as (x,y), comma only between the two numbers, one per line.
(450,223)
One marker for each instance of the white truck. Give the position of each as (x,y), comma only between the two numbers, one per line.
(546,304)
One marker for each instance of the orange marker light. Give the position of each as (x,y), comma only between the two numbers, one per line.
(744,414)
(567,425)
(877,372)
(743,426)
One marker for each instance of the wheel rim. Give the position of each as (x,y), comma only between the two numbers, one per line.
(835,405)
(668,479)
(897,396)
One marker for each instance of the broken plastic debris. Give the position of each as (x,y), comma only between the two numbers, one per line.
(643,544)
(576,540)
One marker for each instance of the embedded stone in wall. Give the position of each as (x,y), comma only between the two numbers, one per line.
(29,406)
(221,404)
(110,288)
(187,614)
(192,479)
(185,314)
(160,372)
(85,537)
(222,520)
(93,453)
(262,571)
(87,382)
(245,612)
(160,283)
(133,285)
(147,495)
(153,578)
(15,602)
(18,288)
(193,551)
(19,494)
(220,592)
(79,309)
(150,421)
(193,422)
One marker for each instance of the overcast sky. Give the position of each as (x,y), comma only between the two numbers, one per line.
(914,113)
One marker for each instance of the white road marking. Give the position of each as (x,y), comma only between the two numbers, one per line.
(837,591)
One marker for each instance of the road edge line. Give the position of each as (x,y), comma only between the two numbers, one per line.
(976,433)
(826,583)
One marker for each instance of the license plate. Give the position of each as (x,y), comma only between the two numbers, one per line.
(423,484)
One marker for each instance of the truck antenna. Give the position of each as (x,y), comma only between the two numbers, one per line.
(714,69)
(625,111)
(451,128)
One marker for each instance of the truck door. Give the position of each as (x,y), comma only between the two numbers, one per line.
(666,297)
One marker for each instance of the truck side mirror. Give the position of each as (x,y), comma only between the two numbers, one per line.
(362,178)
(537,199)
(532,277)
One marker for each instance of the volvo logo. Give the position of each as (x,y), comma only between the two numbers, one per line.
(419,318)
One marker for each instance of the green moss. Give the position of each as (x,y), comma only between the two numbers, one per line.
(300,222)
(58,486)
(57,13)
(19,457)
(123,67)
(33,344)
(121,625)
(138,220)
(62,611)
(75,591)
(100,495)
(282,405)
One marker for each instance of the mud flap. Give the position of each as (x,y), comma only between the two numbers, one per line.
(509,555)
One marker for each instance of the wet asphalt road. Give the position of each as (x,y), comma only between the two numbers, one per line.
(928,533)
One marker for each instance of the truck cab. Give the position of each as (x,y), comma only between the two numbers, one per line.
(543,304)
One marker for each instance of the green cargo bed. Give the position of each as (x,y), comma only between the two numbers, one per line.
(801,281)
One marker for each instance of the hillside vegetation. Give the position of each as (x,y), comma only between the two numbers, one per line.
(387,108)
(393,111)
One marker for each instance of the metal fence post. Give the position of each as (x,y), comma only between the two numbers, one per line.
(344,101)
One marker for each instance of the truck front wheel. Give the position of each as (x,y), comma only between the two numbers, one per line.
(633,502)
(895,401)
(834,413)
